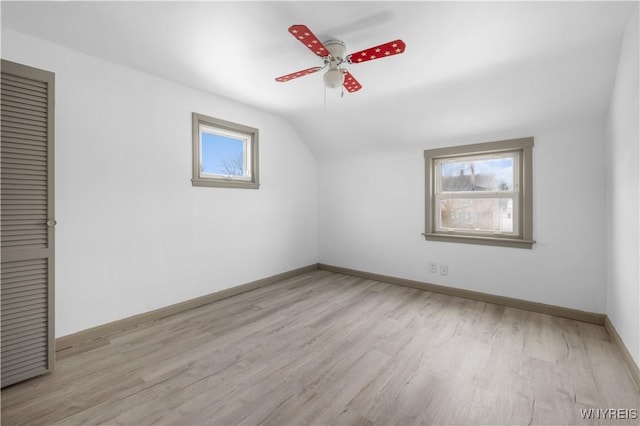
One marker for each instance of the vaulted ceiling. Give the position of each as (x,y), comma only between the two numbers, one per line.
(469,68)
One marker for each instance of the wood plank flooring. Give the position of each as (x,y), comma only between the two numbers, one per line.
(324,348)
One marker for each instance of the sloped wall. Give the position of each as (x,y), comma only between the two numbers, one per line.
(133,234)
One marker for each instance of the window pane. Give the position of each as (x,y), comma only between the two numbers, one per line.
(222,155)
(481,215)
(477,174)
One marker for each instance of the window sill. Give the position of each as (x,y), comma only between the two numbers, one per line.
(225,183)
(488,241)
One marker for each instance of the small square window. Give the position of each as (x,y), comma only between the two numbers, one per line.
(225,154)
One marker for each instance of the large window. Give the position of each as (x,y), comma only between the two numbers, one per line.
(480,194)
(224,153)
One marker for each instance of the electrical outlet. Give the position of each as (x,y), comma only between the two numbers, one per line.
(433,268)
(444,269)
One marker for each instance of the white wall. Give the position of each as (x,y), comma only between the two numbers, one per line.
(372,216)
(623,188)
(133,234)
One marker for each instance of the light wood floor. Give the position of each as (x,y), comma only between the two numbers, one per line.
(324,348)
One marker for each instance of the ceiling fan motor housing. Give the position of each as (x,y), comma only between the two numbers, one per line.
(338,50)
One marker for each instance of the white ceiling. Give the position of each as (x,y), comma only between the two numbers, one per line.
(469,68)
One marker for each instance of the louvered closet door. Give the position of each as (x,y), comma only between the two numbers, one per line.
(26,197)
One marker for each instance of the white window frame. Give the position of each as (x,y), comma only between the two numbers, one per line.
(521,194)
(247,135)
(246,152)
(512,194)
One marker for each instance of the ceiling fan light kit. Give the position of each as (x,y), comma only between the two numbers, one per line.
(334,54)
(333,78)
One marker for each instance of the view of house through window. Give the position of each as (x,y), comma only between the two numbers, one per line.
(480,193)
(477,193)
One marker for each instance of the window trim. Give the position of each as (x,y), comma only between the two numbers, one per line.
(211,180)
(524,208)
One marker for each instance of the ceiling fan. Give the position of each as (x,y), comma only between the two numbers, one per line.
(333,53)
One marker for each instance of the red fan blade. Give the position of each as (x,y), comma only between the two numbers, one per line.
(377,52)
(350,83)
(297,74)
(306,37)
